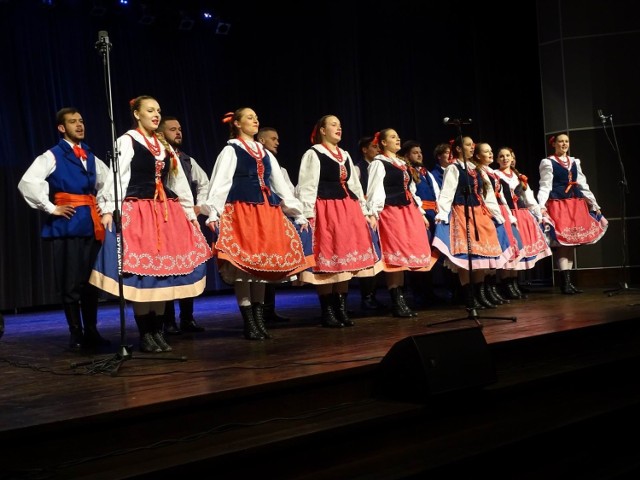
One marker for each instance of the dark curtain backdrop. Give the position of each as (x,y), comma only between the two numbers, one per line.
(374,64)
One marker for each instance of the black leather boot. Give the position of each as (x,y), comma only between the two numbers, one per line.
(481,296)
(89,308)
(258,316)
(157,333)
(269,308)
(251,330)
(508,290)
(72,314)
(516,287)
(491,295)
(145,329)
(187,322)
(491,284)
(399,304)
(470,300)
(341,310)
(169,319)
(566,286)
(328,307)
(571,285)
(368,300)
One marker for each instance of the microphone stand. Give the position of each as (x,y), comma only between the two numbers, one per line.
(624,191)
(472,314)
(112,364)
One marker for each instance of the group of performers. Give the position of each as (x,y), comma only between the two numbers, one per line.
(483,224)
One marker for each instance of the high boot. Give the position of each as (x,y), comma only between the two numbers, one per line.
(258,316)
(516,287)
(368,300)
(158,334)
(470,300)
(341,309)
(399,305)
(508,289)
(251,330)
(269,306)
(491,295)
(566,286)
(169,319)
(571,285)
(328,307)
(145,329)
(72,314)
(187,322)
(490,283)
(89,308)
(481,296)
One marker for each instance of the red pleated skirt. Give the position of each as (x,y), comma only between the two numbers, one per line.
(403,239)
(260,240)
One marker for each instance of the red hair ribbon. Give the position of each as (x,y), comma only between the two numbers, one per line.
(376,138)
(524,180)
(552,139)
(132,102)
(227,117)
(314,132)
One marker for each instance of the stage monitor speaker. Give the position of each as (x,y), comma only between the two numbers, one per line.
(423,367)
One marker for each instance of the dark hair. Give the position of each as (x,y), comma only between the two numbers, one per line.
(407,146)
(264,130)
(440,149)
(63,112)
(364,142)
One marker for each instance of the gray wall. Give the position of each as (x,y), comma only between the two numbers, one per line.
(589,61)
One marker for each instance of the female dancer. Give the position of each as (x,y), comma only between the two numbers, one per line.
(525,208)
(459,231)
(163,249)
(332,197)
(248,204)
(401,222)
(567,201)
(483,157)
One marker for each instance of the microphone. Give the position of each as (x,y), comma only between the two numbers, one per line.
(103,44)
(603,117)
(456,121)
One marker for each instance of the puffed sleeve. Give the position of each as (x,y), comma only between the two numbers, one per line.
(308,179)
(291,206)
(584,186)
(220,183)
(354,184)
(450,180)
(490,199)
(178,182)
(546,181)
(376,194)
(34,186)
(201,179)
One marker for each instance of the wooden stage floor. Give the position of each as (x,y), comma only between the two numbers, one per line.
(91,420)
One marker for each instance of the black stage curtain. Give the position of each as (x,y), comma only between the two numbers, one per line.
(373,64)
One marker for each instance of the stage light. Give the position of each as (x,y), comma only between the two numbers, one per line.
(186,22)
(147,17)
(208,16)
(223,28)
(98,9)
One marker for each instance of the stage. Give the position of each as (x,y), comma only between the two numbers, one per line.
(309,403)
